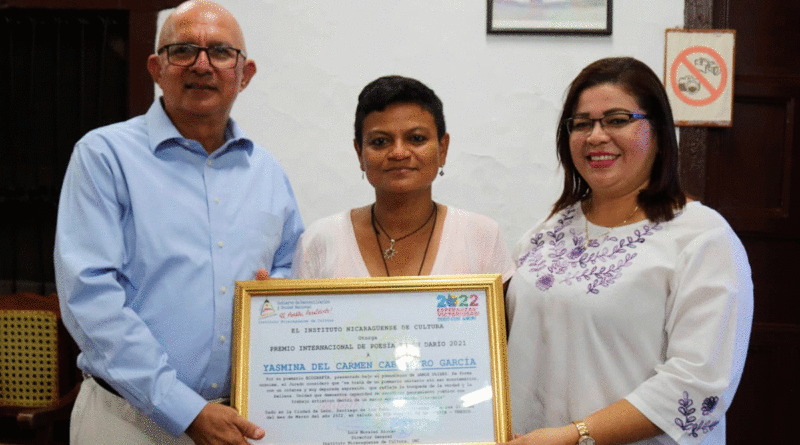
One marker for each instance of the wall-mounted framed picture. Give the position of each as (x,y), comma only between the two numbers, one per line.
(548,17)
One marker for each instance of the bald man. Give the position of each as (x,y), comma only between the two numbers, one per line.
(158,217)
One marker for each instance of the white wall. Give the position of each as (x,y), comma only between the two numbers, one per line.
(502,94)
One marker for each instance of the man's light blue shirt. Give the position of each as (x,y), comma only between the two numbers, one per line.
(152,234)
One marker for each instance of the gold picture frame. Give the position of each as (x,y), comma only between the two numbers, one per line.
(347,359)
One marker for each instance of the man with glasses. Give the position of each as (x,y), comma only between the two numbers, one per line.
(159,216)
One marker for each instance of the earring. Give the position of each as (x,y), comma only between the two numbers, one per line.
(441,171)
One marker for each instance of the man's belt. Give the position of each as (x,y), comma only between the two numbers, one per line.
(103,384)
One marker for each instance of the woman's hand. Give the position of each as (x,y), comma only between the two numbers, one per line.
(565,435)
(617,423)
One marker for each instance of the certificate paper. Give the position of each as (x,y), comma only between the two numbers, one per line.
(372,361)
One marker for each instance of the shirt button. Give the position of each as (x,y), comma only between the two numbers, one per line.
(216,200)
(214,385)
(220,244)
(208,162)
(222,339)
(223,289)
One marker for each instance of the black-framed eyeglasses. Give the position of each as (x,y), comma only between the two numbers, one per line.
(610,122)
(185,54)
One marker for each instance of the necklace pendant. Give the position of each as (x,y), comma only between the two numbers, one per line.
(389,253)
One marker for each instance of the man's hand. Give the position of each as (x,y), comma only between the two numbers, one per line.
(220,424)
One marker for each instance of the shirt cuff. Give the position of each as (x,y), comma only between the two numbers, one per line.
(178,409)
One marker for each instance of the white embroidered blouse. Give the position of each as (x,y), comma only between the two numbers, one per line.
(658,314)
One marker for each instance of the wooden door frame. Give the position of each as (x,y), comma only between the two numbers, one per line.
(697,14)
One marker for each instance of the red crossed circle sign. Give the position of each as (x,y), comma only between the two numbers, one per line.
(703,78)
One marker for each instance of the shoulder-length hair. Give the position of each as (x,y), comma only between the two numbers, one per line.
(663,194)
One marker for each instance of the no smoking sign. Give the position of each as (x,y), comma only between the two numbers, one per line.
(698,76)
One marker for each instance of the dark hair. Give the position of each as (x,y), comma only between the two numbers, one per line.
(389,90)
(663,194)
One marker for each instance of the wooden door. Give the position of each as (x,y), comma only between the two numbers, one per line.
(66,67)
(751,174)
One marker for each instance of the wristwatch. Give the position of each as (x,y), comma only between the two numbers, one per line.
(583,430)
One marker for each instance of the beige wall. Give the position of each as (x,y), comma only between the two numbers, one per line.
(502,94)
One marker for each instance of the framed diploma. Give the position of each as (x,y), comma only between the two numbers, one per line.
(362,361)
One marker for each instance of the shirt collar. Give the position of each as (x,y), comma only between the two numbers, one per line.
(162,132)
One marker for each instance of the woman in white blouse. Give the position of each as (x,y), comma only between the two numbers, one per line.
(401,143)
(631,308)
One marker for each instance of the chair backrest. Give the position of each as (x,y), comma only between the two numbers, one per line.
(35,351)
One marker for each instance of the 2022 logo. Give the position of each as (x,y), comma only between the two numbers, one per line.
(453,300)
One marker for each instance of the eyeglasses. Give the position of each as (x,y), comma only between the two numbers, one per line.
(610,122)
(185,54)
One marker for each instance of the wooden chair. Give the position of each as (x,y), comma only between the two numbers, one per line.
(39,379)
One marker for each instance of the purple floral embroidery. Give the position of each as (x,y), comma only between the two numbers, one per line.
(603,276)
(558,267)
(537,242)
(689,421)
(563,255)
(576,252)
(545,282)
(709,404)
(534,257)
